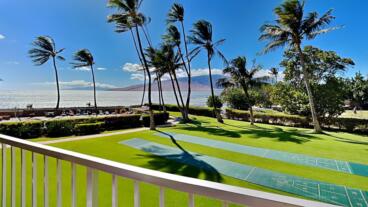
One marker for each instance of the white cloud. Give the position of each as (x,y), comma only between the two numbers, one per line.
(83,68)
(263,73)
(2,37)
(132,67)
(101,68)
(78,84)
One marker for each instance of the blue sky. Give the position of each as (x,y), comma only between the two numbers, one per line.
(76,24)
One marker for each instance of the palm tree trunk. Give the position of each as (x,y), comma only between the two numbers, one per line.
(250,105)
(189,67)
(57,84)
(176,96)
(317,127)
(140,60)
(218,116)
(94,88)
(152,118)
(185,117)
(162,96)
(159,95)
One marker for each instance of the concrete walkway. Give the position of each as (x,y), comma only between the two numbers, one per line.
(93,136)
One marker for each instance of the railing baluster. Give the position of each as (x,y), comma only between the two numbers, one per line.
(4,175)
(34,180)
(74,204)
(114,191)
(162,197)
(137,199)
(59,189)
(92,188)
(45,181)
(191,200)
(13,176)
(23,179)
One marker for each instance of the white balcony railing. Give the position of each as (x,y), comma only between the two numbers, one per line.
(225,193)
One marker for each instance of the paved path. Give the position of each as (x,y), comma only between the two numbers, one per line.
(93,136)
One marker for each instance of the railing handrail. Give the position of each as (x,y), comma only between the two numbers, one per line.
(215,190)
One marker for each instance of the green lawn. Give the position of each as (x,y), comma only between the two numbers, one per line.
(342,146)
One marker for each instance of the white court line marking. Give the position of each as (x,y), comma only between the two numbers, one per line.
(251,171)
(363,197)
(347,195)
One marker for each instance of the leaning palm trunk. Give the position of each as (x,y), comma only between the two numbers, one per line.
(185,114)
(189,92)
(215,111)
(140,60)
(94,88)
(162,95)
(159,95)
(316,125)
(175,94)
(57,83)
(152,118)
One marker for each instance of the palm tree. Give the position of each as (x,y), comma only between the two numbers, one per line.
(84,58)
(240,76)
(202,37)
(124,24)
(173,38)
(291,28)
(176,14)
(129,10)
(166,61)
(274,72)
(43,49)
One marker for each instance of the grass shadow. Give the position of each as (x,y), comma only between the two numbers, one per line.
(184,163)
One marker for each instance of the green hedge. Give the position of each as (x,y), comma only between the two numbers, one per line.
(342,124)
(89,128)
(77,126)
(26,130)
(279,119)
(194,110)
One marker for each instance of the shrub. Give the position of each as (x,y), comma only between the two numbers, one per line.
(89,128)
(25,130)
(160,119)
(59,128)
(121,121)
(218,102)
(235,98)
(194,110)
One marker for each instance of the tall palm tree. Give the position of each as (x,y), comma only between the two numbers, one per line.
(202,37)
(43,49)
(166,61)
(130,9)
(242,77)
(176,14)
(84,58)
(291,28)
(274,72)
(124,24)
(173,38)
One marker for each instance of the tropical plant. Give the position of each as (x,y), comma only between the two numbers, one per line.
(202,38)
(176,14)
(84,58)
(166,61)
(128,11)
(242,77)
(235,98)
(43,49)
(291,28)
(218,102)
(274,72)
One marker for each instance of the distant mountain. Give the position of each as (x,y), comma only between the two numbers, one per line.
(199,83)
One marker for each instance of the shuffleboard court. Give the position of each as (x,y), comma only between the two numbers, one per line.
(337,165)
(325,192)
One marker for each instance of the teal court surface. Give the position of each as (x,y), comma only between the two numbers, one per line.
(322,191)
(330,164)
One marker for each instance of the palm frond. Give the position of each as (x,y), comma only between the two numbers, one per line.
(176,13)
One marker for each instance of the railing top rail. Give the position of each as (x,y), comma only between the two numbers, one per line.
(191,185)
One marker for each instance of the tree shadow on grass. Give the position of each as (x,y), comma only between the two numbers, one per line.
(213,130)
(184,163)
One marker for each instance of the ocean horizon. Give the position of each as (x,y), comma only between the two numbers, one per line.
(79,98)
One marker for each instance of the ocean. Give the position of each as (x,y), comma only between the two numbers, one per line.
(73,98)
